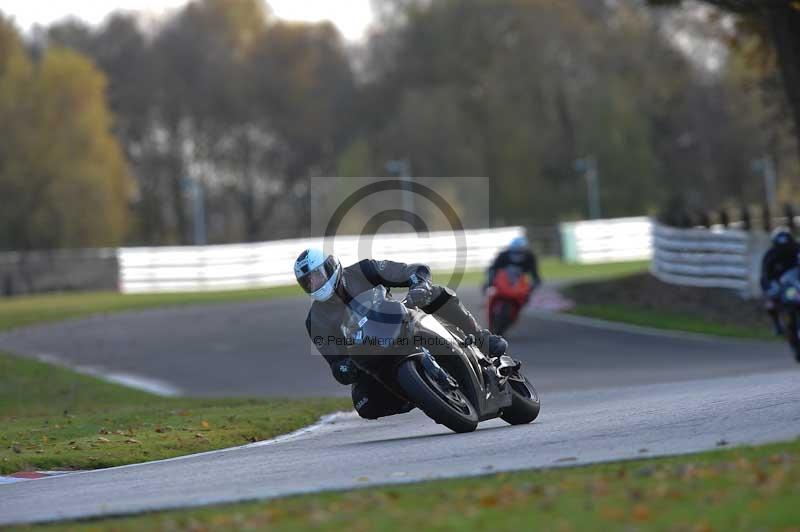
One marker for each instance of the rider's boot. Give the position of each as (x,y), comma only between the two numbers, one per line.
(776,322)
(448,306)
(491,345)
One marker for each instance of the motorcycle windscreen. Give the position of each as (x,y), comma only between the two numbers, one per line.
(376,321)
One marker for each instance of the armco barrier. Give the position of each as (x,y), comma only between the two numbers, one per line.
(198,268)
(612,240)
(722,258)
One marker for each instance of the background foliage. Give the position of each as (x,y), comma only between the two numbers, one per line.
(675,102)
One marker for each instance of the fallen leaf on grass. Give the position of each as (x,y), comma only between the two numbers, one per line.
(489,501)
(205,424)
(779,458)
(103,440)
(132,440)
(600,488)
(612,513)
(641,513)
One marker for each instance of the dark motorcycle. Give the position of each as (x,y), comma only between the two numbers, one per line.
(789,310)
(434,365)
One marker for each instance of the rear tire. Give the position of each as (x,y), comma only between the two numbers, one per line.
(428,397)
(525,403)
(501,317)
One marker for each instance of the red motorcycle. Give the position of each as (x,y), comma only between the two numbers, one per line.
(509,292)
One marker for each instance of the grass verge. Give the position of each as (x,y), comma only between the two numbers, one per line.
(553,269)
(54,419)
(740,489)
(640,299)
(29,310)
(673,321)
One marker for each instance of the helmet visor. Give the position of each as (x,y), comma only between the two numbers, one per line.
(316,278)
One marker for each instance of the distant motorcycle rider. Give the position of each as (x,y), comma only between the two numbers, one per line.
(518,255)
(333,287)
(779,259)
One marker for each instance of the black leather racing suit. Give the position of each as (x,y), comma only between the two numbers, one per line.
(370,398)
(525,260)
(776,261)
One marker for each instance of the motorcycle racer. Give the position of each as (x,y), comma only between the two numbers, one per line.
(518,255)
(333,287)
(779,259)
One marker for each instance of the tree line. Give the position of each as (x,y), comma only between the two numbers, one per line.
(108,130)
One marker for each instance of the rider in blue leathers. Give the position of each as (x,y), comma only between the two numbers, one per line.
(777,261)
(518,255)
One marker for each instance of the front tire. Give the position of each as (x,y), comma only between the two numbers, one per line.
(790,326)
(525,403)
(449,408)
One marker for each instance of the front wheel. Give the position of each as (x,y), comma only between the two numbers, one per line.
(525,403)
(790,326)
(500,317)
(445,405)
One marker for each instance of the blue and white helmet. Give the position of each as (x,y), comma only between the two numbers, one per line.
(782,238)
(317,274)
(519,243)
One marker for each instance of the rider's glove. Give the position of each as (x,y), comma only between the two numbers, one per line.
(420,295)
(774,290)
(345,371)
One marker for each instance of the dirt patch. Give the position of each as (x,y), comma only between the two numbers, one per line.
(643,291)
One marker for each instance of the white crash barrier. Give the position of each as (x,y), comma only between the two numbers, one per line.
(723,258)
(611,240)
(264,264)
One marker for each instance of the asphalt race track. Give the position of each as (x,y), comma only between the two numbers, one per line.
(262,348)
(607,394)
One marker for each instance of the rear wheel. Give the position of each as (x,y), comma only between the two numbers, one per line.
(525,403)
(445,405)
(501,317)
